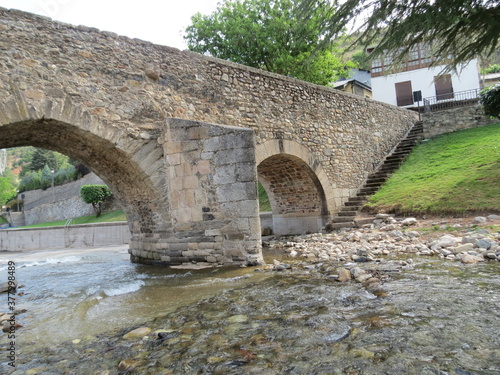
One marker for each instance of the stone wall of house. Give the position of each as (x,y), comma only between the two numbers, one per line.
(446,121)
(61,202)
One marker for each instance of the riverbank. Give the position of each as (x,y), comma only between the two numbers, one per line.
(382,299)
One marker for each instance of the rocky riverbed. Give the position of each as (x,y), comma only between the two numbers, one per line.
(395,297)
(468,240)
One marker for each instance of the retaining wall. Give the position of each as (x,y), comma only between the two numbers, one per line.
(441,122)
(60,202)
(75,236)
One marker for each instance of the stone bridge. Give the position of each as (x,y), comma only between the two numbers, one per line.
(182,139)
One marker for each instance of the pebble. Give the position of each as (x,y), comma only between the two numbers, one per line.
(137,333)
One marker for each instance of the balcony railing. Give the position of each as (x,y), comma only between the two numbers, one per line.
(452,100)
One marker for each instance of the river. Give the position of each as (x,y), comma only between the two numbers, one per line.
(434,317)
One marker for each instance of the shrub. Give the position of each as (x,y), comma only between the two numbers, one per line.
(490,99)
(96,196)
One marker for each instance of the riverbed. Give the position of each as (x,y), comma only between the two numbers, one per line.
(426,316)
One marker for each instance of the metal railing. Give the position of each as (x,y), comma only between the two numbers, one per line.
(452,100)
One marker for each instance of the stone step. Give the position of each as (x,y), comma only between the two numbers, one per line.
(389,167)
(376,180)
(343,219)
(402,151)
(368,190)
(375,184)
(395,157)
(352,204)
(363,221)
(359,198)
(347,213)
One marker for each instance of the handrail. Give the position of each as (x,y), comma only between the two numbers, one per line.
(451,100)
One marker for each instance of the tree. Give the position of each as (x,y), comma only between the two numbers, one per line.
(7,190)
(456,29)
(490,98)
(266,34)
(95,195)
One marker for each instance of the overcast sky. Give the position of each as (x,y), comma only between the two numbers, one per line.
(157,21)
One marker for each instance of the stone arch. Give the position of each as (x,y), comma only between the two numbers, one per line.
(299,191)
(131,165)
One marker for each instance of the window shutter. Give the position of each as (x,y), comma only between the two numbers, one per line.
(404,93)
(444,87)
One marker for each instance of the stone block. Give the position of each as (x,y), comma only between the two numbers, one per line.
(240,191)
(190,182)
(212,232)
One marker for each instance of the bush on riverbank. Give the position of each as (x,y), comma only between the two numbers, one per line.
(451,174)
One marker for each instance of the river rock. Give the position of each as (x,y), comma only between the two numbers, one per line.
(479,220)
(344,274)
(490,255)
(469,259)
(409,221)
(357,272)
(484,243)
(462,248)
(128,365)
(445,241)
(137,333)
(238,319)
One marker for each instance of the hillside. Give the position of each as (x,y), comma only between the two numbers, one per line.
(451,174)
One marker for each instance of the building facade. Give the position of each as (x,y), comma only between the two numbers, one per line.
(396,84)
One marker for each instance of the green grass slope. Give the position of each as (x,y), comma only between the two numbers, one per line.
(117,215)
(454,173)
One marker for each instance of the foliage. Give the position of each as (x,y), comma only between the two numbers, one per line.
(264,203)
(95,195)
(490,99)
(43,179)
(362,60)
(266,34)
(495,68)
(450,174)
(7,190)
(41,158)
(459,29)
(11,176)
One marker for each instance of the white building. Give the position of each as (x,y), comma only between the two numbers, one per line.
(396,85)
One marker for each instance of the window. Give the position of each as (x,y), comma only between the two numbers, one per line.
(404,94)
(444,87)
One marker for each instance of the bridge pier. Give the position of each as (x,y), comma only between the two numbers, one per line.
(211,181)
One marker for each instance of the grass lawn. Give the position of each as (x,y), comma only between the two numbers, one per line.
(104,218)
(451,174)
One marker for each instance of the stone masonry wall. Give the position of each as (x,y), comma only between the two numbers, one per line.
(441,122)
(59,203)
(213,196)
(135,86)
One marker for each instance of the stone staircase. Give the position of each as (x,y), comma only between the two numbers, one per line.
(347,216)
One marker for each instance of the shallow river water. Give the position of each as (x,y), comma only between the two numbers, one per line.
(436,317)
